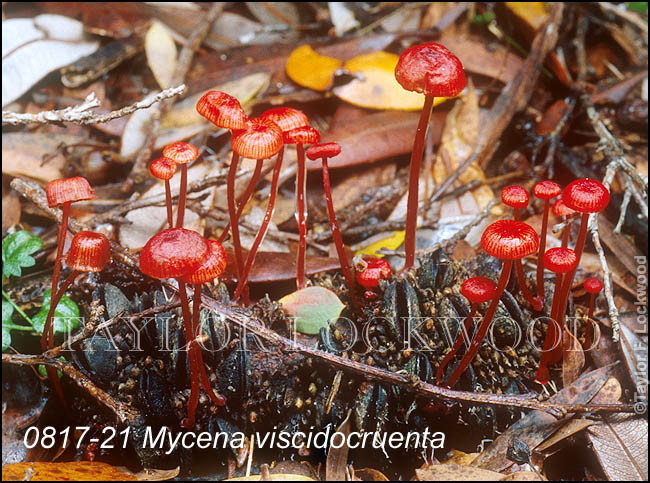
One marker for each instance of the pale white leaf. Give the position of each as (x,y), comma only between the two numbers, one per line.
(161,54)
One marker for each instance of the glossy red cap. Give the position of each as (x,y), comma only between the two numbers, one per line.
(586,196)
(66,190)
(287,118)
(593,285)
(162,168)
(173,253)
(561,209)
(222,110)
(515,196)
(430,69)
(327,150)
(510,240)
(180,152)
(478,289)
(546,190)
(371,270)
(89,252)
(560,260)
(260,140)
(212,267)
(301,135)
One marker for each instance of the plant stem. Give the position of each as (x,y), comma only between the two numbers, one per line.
(459,341)
(535,302)
(188,422)
(19,310)
(540,254)
(414,177)
(168,202)
(301,216)
(180,217)
(232,210)
(553,333)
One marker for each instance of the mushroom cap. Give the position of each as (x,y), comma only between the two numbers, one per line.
(301,135)
(430,69)
(515,196)
(545,190)
(478,289)
(173,253)
(89,252)
(374,270)
(510,240)
(593,285)
(162,168)
(325,150)
(212,267)
(560,260)
(586,196)
(222,110)
(181,152)
(560,208)
(261,139)
(287,118)
(60,191)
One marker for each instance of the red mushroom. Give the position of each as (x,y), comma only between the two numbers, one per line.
(544,190)
(509,240)
(477,290)
(63,192)
(434,71)
(181,153)
(593,286)
(164,168)
(561,210)
(177,253)
(515,197)
(212,267)
(560,261)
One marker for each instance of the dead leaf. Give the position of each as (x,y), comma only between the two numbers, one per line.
(337,455)
(275,13)
(161,54)
(573,358)
(309,69)
(10,209)
(313,308)
(70,471)
(342,18)
(569,429)
(135,131)
(454,472)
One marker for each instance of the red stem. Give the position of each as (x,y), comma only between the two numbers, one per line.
(534,301)
(188,422)
(540,254)
(459,342)
(553,334)
(234,219)
(566,232)
(414,176)
(181,197)
(516,213)
(301,216)
(63,230)
(485,324)
(196,322)
(338,239)
(243,279)
(168,202)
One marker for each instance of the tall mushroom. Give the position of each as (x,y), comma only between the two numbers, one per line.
(509,240)
(477,290)
(176,253)
(434,71)
(181,153)
(544,190)
(164,168)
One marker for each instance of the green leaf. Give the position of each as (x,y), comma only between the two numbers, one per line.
(7,312)
(640,7)
(16,251)
(313,308)
(66,315)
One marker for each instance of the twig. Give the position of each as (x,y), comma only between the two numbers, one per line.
(82,113)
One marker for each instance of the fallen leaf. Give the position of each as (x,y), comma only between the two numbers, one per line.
(337,454)
(308,68)
(11,209)
(454,472)
(313,308)
(161,54)
(569,429)
(275,13)
(573,358)
(390,242)
(135,131)
(273,477)
(342,18)
(70,471)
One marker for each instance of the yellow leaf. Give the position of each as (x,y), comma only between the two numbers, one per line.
(71,471)
(309,69)
(376,87)
(391,242)
(533,13)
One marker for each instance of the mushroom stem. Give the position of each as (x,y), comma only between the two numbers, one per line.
(181,197)
(63,230)
(540,254)
(168,202)
(515,212)
(250,259)
(338,239)
(536,302)
(567,231)
(414,175)
(459,342)
(301,216)
(234,220)
(188,422)
(553,335)
(485,324)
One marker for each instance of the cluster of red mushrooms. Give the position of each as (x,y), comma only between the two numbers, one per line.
(185,255)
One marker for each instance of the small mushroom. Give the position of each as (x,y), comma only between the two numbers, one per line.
(544,190)
(165,168)
(181,153)
(593,286)
(515,197)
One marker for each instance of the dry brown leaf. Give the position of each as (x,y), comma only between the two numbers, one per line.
(455,472)
(10,209)
(275,13)
(337,457)
(573,358)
